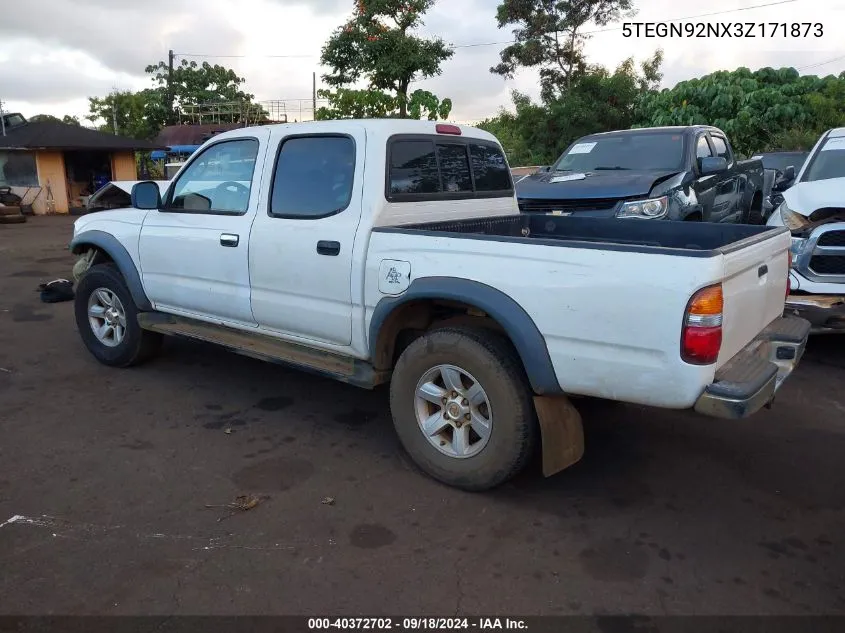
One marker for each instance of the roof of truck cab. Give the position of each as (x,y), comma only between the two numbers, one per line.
(836,132)
(380,127)
(665,128)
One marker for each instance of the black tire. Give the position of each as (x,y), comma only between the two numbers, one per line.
(491,359)
(137,345)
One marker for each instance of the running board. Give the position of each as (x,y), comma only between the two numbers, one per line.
(343,368)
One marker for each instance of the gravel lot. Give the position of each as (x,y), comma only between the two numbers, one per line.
(112,470)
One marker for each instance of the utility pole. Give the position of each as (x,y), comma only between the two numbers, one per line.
(170,57)
(114,109)
(314,95)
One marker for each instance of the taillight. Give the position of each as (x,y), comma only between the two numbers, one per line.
(789,275)
(701,339)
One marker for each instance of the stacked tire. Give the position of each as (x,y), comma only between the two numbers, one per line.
(11,215)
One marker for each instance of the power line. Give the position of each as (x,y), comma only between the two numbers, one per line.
(480,44)
(244,56)
(830,61)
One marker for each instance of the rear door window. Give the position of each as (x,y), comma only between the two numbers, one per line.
(314,177)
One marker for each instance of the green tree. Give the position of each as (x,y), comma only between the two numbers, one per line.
(600,101)
(132,114)
(68,119)
(378,45)
(765,109)
(142,114)
(194,84)
(345,103)
(549,35)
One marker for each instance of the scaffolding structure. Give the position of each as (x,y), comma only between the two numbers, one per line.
(233,112)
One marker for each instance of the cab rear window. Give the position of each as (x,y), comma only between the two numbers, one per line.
(434,168)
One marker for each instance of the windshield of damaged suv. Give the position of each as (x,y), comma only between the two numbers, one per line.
(659,151)
(829,161)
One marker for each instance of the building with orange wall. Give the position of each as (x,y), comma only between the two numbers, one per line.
(55,166)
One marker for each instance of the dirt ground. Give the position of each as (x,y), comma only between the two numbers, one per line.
(108,473)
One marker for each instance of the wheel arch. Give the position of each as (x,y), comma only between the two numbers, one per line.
(387,321)
(110,246)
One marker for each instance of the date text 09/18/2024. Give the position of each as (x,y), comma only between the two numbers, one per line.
(417,624)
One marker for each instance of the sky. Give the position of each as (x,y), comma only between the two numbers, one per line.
(56,53)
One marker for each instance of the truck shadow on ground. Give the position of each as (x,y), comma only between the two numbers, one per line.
(636,458)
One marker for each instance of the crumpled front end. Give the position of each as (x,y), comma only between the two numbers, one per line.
(817,278)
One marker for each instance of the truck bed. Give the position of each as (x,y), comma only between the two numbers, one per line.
(688,239)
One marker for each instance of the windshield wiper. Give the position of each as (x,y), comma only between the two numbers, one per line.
(617,168)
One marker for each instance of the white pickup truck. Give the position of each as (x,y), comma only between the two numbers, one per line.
(394,251)
(814,211)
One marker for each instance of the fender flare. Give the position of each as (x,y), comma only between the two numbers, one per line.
(518,325)
(110,245)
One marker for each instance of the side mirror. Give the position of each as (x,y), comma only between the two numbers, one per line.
(789,173)
(713,165)
(146,196)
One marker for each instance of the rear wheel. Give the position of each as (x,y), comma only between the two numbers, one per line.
(107,319)
(462,408)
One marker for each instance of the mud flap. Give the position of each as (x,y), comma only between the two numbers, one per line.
(562,433)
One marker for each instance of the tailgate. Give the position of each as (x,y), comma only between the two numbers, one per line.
(754,286)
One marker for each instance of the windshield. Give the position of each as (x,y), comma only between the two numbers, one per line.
(829,161)
(632,151)
(782,161)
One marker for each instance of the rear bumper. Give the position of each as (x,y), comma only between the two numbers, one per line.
(826,313)
(749,381)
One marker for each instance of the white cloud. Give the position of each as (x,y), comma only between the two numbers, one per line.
(55,53)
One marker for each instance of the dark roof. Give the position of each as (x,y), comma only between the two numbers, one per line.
(192,134)
(678,129)
(61,136)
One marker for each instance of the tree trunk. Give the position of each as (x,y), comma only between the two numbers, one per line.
(403,98)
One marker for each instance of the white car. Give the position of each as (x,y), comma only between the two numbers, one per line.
(814,211)
(394,251)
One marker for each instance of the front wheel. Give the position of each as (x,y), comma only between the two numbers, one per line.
(462,408)
(107,319)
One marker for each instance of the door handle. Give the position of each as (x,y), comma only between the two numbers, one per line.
(762,271)
(332,249)
(229,239)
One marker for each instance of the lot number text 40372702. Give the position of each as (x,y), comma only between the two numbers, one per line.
(417,624)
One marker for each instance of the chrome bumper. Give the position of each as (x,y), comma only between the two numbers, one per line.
(748,382)
(826,313)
